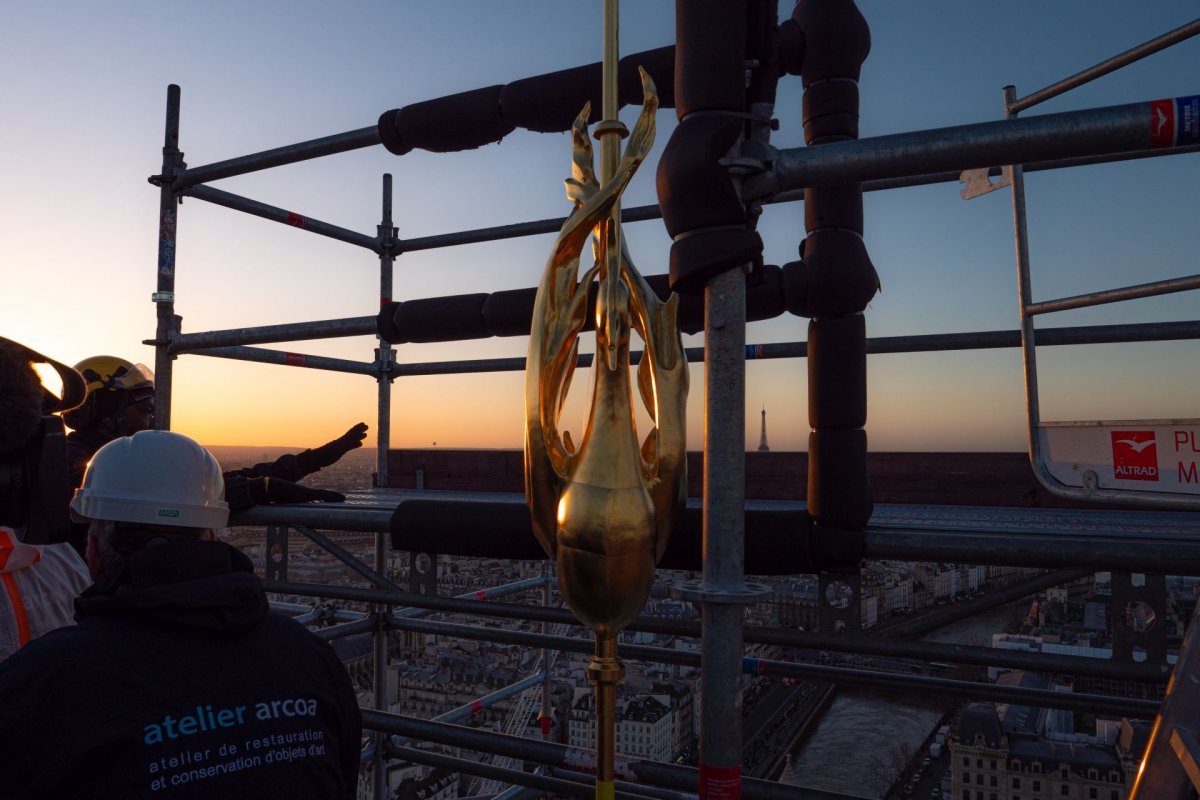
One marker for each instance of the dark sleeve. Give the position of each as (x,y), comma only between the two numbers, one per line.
(15,763)
(286,467)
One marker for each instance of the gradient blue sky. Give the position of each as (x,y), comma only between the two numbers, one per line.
(83,103)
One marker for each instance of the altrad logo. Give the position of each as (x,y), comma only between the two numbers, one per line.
(1135,455)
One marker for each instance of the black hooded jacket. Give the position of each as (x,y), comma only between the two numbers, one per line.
(178,682)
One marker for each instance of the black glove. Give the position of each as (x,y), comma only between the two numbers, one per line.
(313,460)
(242,493)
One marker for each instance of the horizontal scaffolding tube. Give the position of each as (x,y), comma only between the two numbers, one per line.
(1169,556)
(283,216)
(645,213)
(556,755)
(264,356)
(1054,550)
(648,791)
(1115,295)
(1096,131)
(925,343)
(558,786)
(875,645)
(346,629)
(286,332)
(289,154)
(1042,698)
(1109,65)
(487,701)
(341,554)
(512,231)
(484,594)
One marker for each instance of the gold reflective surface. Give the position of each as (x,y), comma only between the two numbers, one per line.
(604,509)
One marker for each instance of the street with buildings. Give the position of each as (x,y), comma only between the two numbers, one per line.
(904,745)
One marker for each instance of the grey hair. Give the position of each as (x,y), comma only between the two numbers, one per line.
(113,554)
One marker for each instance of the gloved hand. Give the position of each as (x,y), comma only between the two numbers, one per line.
(242,493)
(313,460)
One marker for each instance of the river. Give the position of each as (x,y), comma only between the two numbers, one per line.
(866,737)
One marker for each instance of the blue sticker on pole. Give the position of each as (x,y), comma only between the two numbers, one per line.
(1175,122)
(1187,120)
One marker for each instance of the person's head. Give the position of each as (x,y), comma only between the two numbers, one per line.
(147,489)
(20,399)
(33,494)
(120,397)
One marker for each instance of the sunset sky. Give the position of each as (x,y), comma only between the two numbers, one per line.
(83,102)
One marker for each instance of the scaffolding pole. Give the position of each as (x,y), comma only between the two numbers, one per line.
(1073,134)
(164,295)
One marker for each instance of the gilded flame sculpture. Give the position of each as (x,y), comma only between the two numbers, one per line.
(604,509)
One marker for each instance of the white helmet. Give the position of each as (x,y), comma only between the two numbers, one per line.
(153,478)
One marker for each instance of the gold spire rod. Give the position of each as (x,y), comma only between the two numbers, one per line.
(604,508)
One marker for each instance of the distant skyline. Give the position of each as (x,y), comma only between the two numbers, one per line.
(84,97)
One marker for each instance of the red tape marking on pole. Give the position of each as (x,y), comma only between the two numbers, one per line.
(1175,121)
(720,783)
(476,706)
(293,359)
(295,219)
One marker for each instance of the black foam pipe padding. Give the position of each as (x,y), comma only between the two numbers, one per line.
(762,48)
(835,548)
(834,207)
(442,319)
(455,122)
(509,313)
(841,277)
(764,293)
(690,315)
(791,47)
(777,541)
(831,97)
(694,190)
(389,136)
(698,258)
(710,56)
(839,490)
(550,102)
(385,323)
(837,373)
(659,64)
(545,103)
(836,38)
(795,288)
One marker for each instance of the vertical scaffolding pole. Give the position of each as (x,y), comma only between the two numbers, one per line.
(545,720)
(383,358)
(1016,174)
(164,295)
(724,519)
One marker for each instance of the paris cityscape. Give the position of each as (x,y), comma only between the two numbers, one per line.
(927,747)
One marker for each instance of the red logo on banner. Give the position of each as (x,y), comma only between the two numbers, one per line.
(1162,123)
(720,783)
(1135,455)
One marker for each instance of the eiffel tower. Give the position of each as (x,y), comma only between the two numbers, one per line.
(762,439)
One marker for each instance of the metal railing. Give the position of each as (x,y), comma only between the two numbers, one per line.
(1047,142)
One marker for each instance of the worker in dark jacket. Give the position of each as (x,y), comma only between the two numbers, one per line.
(120,402)
(177,681)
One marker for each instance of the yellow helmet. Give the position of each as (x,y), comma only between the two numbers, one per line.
(113,384)
(110,372)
